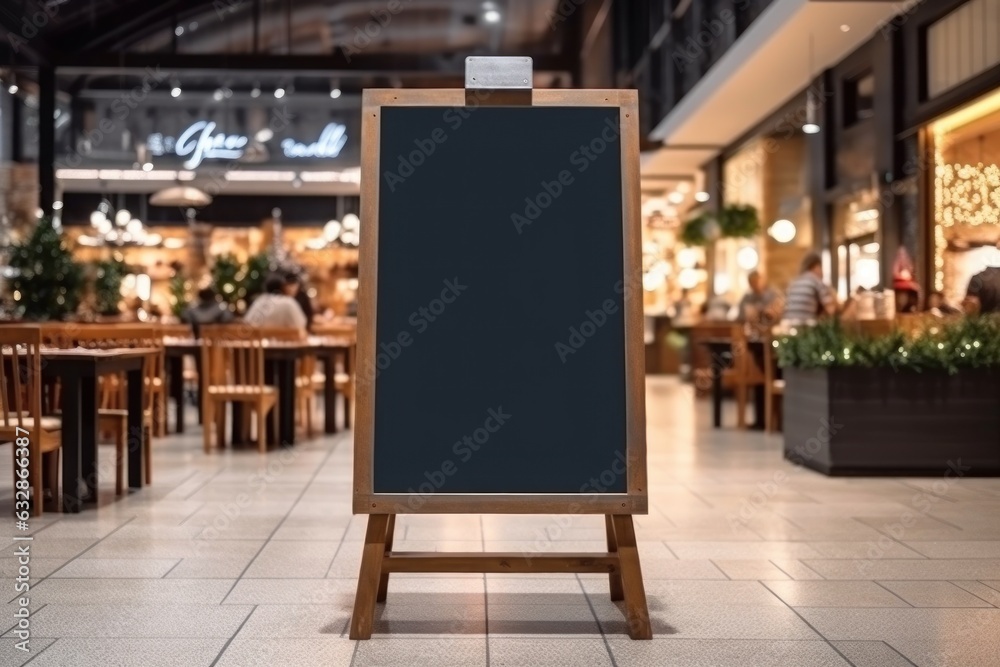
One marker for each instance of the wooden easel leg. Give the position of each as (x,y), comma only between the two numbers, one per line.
(636,611)
(615,577)
(383,582)
(368,579)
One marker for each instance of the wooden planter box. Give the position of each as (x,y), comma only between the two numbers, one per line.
(860,421)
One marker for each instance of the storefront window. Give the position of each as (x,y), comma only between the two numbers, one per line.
(966,195)
(856,234)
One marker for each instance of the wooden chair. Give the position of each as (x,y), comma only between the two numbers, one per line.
(112,414)
(234,373)
(774,390)
(21,410)
(746,370)
(305,370)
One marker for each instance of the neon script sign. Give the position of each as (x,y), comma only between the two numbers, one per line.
(201,142)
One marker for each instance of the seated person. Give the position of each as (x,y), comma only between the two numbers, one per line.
(207,310)
(276,307)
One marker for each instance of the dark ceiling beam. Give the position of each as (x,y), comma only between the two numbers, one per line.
(127,20)
(337,64)
(22,43)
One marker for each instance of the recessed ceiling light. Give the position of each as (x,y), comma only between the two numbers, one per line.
(845,28)
(491,16)
(279,93)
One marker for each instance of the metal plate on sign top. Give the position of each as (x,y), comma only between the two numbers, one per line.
(498,72)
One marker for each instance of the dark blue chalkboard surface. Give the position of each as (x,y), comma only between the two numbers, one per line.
(500,363)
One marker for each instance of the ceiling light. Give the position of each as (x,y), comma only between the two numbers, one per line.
(255,91)
(122,217)
(57,206)
(279,92)
(264,134)
(845,28)
(12,88)
(747,258)
(702,196)
(351,222)
(179,30)
(675,197)
(491,16)
(782,231)
(175,91)
(193,26)
(335,93)
(148,166)
(810,128)
(218,95)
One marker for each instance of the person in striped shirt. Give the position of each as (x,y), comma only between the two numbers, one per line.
(808,298)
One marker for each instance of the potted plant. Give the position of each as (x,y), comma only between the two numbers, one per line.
(892,404)
(47,281)
(108,276)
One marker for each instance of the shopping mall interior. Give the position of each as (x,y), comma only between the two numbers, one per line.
(330,332)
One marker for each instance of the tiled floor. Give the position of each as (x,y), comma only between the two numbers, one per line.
(235,559)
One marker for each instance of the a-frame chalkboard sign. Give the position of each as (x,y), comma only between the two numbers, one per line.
(500,348)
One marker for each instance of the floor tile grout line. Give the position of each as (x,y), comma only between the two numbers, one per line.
(305,488)
(230,640)
(790,577)
(881,585)
(42,651)
(203,484)
(173,567)
(600,628)
(30,614)
(354,654)
(810,625)
(896,651)
(716,566)
(340,544)
(49,575)
(973,595)
(812,569)
(197,509)
(987,585)
(672,552)
(486,592)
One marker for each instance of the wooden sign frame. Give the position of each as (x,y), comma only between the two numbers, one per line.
(621,561)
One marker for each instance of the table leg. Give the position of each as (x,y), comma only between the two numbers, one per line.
(72,490)
(330,393)
(347,399)
(175,371)
(136,433)
(759,400)
(88,438)
(286,401)
(717,397)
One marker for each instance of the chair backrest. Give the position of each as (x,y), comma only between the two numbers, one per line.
(20,375)
(107,336)
(232,355)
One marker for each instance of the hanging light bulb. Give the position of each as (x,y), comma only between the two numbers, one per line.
(811,126)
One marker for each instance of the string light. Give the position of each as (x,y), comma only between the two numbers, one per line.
(968,194)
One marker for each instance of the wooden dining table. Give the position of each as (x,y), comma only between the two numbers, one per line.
(279,358)
(722,357)
(77,370)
